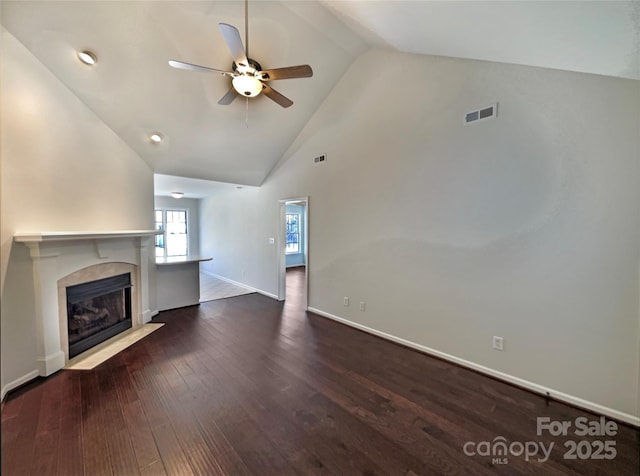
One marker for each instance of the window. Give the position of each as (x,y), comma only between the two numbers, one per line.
(293,233)
(159,238)
(174,240)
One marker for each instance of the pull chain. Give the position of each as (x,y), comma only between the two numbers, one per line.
(246,120)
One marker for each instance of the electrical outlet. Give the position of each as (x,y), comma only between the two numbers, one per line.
(346,301)
(498,343)
(363,305)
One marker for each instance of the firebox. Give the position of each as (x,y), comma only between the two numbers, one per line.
(97,311)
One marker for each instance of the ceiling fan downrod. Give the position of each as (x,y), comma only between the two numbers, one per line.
(246,26)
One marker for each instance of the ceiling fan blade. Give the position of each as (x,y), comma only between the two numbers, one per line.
(195,67)
(232,38)
(228,98)
(276,96)
(300,71)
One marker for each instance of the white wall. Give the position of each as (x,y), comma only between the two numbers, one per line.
(62,170)
(235,232)
(524,226)
(192,207)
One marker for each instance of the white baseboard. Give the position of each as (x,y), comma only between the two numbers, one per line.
(269,295)
(147,315)
(534,387)
(51,363)
(241,285)
(17,382)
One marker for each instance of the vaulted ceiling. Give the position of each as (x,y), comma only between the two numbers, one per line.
(134,91)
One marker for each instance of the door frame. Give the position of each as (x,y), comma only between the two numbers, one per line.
(282,239)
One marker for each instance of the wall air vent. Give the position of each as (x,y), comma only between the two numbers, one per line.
(488,112)
(320,158)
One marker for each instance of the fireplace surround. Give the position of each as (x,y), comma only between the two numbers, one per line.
(65,259)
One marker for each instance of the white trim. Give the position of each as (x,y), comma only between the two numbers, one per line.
(240,285)
(299,215)
(17,382)
(51,363)
(148,315)
(46,236)
(163,232)
(534,387)
(265,293)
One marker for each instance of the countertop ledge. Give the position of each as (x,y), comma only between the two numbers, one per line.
(181,260)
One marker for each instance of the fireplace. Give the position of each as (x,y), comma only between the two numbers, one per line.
(96,311)
(61,260)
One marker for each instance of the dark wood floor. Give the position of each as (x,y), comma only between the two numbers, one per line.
(248,385)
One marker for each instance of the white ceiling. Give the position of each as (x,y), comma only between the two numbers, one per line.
(600,37)
(192,188)
(135,92)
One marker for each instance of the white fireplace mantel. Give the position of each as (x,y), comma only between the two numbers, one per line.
(55,255)
(49,236)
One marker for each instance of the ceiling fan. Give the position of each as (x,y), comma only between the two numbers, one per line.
(248,77)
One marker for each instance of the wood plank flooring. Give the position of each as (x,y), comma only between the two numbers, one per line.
(248,385)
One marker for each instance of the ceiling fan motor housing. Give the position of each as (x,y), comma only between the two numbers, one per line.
(253,66)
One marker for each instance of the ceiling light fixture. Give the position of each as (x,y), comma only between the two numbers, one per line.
(246,85)
(88,57)
(177,194)
(156,137)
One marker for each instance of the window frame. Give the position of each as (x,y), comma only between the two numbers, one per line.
(297,233)
(163,228)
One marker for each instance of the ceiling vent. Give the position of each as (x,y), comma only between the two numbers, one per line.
(320,158)
(488,112)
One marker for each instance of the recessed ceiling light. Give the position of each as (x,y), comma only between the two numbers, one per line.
(156,137)
(177,194)
(87,57)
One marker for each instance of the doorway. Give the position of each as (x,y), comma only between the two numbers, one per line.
(293,249)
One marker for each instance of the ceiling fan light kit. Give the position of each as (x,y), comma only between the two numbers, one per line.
(247,85)
(248,78)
